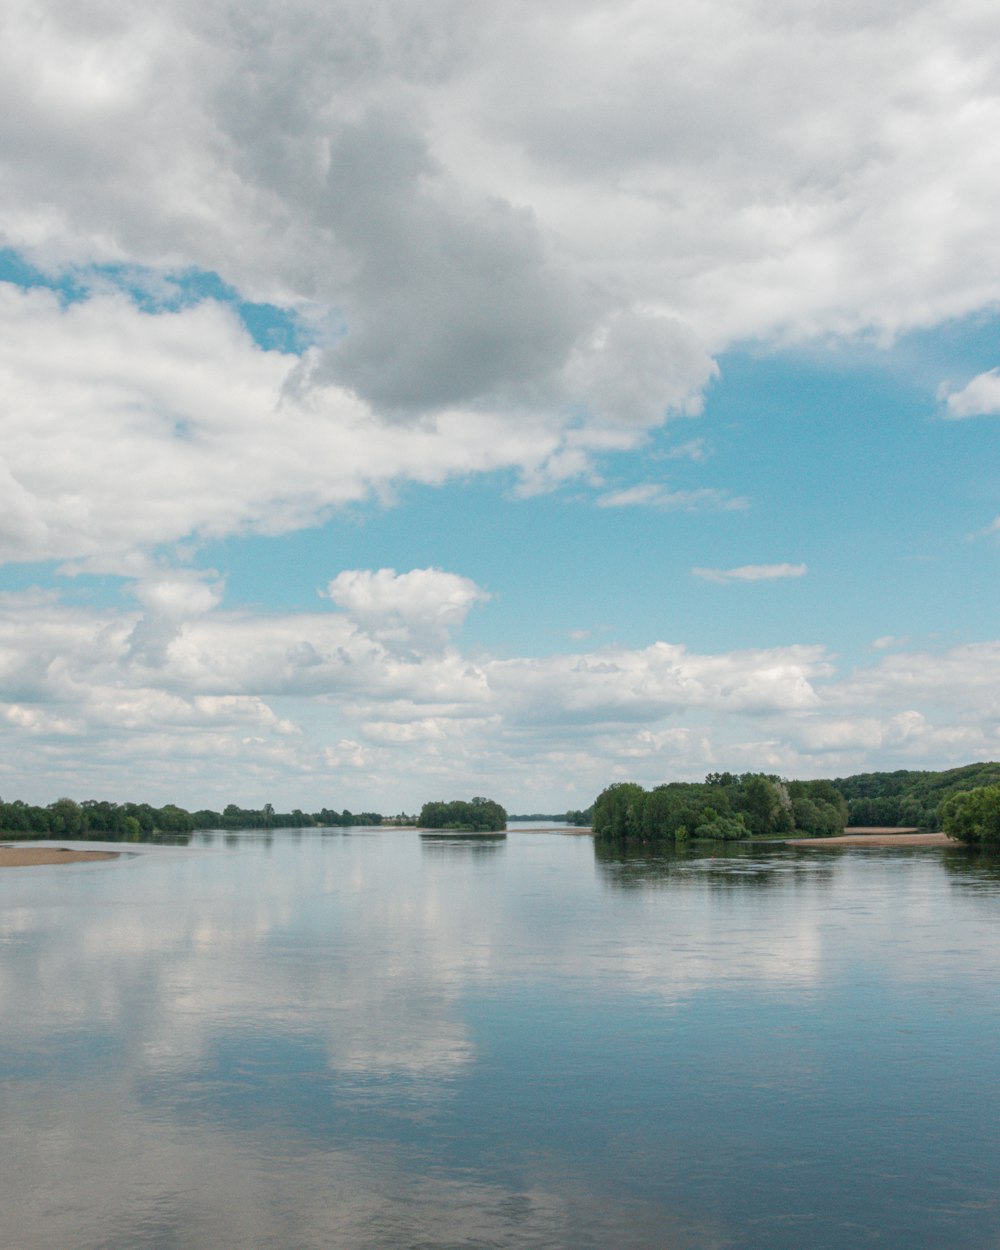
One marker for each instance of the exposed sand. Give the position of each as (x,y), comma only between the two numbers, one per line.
(884,837)
(29,856)
(889,830)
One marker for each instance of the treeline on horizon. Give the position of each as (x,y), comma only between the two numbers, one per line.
(98,818)
(729,806)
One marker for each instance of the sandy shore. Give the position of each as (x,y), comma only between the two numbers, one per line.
(29,856)
(884,837)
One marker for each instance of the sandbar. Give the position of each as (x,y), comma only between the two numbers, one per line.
(29,856)
(883,837)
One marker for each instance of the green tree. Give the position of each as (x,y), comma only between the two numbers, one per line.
(619,811)
(973,816)
(65,818)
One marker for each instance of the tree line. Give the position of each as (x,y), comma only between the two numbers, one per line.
(97,818)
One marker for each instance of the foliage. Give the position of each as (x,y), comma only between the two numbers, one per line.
(233,817)
(478,816)
(582,819)
(910,797)
(93,818)
(99,819)
(725,807)
(973,816)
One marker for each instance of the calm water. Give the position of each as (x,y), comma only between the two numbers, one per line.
(372,1040)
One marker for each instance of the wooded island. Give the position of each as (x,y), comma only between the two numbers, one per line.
(963,802)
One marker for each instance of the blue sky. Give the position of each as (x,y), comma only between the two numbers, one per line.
(374,431)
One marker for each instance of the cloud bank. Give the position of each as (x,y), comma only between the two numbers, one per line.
(376,697)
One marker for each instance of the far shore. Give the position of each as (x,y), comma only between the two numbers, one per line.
(30,856)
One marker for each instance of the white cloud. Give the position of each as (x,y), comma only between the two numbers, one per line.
(122,431)
(298,707)
(888,641)
(752,573)
(980,397)
(988,531)
(424,606)
(694,449)
(638,367)
(496,202)
(661,498)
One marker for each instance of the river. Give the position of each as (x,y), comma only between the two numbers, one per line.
(373,1040)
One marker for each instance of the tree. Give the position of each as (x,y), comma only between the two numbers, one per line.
(65,818)
(973,816)
(619,810)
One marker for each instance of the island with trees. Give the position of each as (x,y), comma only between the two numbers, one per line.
(724,807)
(478,815)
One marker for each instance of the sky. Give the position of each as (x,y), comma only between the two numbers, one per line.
(414,400)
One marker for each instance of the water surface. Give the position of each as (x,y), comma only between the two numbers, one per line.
(311,1039)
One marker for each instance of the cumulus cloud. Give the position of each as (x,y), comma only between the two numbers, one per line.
(980,397)
(480,203)
(424,606)
(751,573)
(123,430)
(638,367)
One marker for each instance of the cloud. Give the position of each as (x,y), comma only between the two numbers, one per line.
(123,431)
(424,606)
(980,397)
(638,367)
(752,573)
(888,641)
(422,333)
(477,204)
(661,498)
(991,531)
(694,449)
(374,699)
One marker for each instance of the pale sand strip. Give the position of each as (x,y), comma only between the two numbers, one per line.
(28,856)
(878,839)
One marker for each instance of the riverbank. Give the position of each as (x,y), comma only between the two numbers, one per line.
(30,856)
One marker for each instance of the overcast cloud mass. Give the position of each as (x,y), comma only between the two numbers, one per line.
(273,271)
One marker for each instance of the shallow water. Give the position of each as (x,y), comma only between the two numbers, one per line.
(380,1040)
